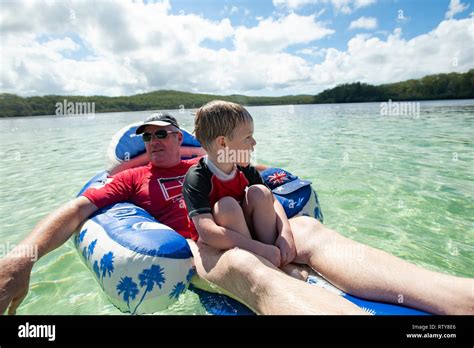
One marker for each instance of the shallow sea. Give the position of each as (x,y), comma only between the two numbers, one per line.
(404,184)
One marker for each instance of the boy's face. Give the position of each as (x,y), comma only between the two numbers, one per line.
(241,146)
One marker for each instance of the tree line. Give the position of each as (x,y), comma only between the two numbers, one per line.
(440,86)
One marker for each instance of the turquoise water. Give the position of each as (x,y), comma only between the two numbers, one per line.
(403,184)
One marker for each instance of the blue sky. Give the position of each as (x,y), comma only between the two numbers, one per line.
(264,47)
(422,15)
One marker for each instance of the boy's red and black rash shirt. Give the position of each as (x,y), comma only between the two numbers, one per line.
(204,185)
(157,190)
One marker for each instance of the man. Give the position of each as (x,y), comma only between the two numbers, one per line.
(250,278)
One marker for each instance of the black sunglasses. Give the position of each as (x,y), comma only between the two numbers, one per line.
(159,134)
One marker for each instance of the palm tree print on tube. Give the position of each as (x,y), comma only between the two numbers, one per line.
(190,275)
(107,264)
(96,269)
(81,236)
(178,290)
(149,277)
(90,248)
(128,288)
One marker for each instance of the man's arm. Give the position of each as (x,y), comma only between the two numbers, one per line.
(49,234)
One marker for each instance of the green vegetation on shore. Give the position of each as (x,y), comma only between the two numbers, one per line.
(441,86)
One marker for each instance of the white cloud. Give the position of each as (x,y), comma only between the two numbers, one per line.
(61,45)
(348,6)
(132,48)
(313,51)
(344,6)
(364,23)
(115,48)
(455,7)
(293,4)
(272,35)
(376,61)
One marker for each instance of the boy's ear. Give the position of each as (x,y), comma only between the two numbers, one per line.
(220,141)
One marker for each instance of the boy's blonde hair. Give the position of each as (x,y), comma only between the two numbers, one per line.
(218,118)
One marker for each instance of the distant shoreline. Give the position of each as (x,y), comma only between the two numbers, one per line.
(452,86)
(157,110)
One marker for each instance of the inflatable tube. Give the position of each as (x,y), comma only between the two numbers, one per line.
(143,266)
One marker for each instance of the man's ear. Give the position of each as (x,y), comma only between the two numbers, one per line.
(180,138)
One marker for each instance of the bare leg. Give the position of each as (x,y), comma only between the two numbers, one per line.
(228,213)
(296,271)
(260,213)
(374,274)
(257,283)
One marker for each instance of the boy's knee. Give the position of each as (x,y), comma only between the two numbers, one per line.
(226,205)
(259,193)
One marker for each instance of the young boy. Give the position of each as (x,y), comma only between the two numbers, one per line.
(227,201)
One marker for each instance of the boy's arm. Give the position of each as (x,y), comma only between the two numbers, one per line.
(285,236)
(224,238)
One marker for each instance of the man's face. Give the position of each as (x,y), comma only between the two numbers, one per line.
(242,143)
(164,153)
